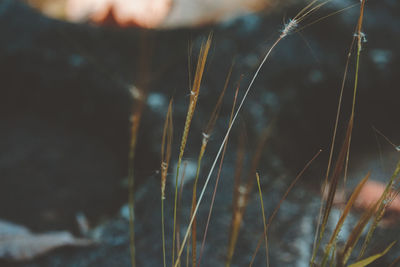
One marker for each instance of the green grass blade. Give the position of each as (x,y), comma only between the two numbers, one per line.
(373,258)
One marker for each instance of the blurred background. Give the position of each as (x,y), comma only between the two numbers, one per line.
(73,71)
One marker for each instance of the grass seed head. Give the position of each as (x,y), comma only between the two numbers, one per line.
(289,28)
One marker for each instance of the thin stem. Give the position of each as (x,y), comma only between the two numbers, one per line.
(222,146)
(264,220)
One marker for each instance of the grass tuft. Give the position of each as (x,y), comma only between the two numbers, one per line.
(332,254)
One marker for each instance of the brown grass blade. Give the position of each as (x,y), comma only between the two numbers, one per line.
(166,145)
(237,198)
(217,108)
(333,185)
(343,217)
(264,220)
(333,143)
(356,233)
(384,201)
(337,171)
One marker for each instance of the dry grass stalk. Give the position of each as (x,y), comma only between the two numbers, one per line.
(140,96)
(346,211)
(206,138)
(242,195)
(218,178)
(344,256)
(264,220)
(178,213)
(194,93)
(165,159)
(344,153)
(237,194)
(384,202)
(288,29)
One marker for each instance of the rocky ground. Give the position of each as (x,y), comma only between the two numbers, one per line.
(65,103)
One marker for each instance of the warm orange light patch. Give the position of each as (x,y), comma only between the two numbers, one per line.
(369,195)
(146,14)
(160,13)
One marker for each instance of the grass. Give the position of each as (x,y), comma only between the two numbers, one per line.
(332,253)
(166,145)
(140,95)
(263,217)
(217,180)
(194,94)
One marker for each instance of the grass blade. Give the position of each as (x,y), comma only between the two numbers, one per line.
(264,220)
(371,259)
(356,233)
(206,138)
(243,196)
(165,159)
(346,211)
(333,186)
(237,194)
(217,180)
(383,203)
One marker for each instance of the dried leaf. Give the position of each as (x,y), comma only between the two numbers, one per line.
(19,244)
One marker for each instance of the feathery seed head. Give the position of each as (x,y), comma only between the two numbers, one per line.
(289,27)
